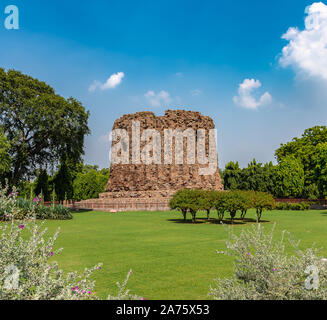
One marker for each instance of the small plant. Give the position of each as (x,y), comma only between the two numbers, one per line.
(264,271)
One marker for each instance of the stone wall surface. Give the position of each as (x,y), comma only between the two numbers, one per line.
(138,180)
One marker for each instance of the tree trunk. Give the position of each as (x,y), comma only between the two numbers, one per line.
(193,217)
(220,215)
(208,214)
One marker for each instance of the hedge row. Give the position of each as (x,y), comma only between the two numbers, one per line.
(293,206)
(193,200)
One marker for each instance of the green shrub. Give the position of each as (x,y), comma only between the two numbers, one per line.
(247,202)
(187,200)
(306,205)
(179,202)
(264,271)
(192,201)
(88,185)
(234,201)
(207,201)
(262,201)
(293,206)
(26,208)
(219,203)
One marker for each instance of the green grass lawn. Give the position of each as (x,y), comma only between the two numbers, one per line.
(170,259)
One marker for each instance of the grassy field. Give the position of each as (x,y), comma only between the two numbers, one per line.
(170,259)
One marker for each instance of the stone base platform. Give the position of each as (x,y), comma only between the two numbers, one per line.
(124,204)
(135,195)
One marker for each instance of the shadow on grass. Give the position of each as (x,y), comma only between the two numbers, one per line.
(82,210)
(216,221)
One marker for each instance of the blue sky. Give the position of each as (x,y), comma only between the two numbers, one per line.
(189,55)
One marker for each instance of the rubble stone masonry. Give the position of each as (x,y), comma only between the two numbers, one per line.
(150,186)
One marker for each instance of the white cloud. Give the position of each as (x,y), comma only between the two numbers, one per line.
(196,92)
(113,81)
(306,51)
(245,96)
(156,100)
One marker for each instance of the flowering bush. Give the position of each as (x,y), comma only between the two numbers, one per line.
(24,208)
(263,270)
(25,270)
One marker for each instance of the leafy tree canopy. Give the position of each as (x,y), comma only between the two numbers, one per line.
(5,159)
(41,126)
(89,184)
(232,176)
(289,178)
(305,149)
(320,172)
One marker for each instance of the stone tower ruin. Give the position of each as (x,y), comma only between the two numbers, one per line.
(150,186)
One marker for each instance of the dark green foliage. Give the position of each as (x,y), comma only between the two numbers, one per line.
(262,201)
(302,206)
(232,176)
(179,202)
(53,212)
(89,183)
(255,177)
(187,200)
(306,149)
(220,204)
(247,202)
(320,171)
(222,201)
(5,159)
(207,201)
(41,126)
(42,185)
(289,178)
(234,201)
(63,182)
(311,192)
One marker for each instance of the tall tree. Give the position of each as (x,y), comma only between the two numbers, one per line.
(42,185)
(232,176)
(253,177)
(89,183)
(41,126)
(63,182)
(5,159)
(320,171)
(305,149)
(289,178)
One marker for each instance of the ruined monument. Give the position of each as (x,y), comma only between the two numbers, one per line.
(135,185)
